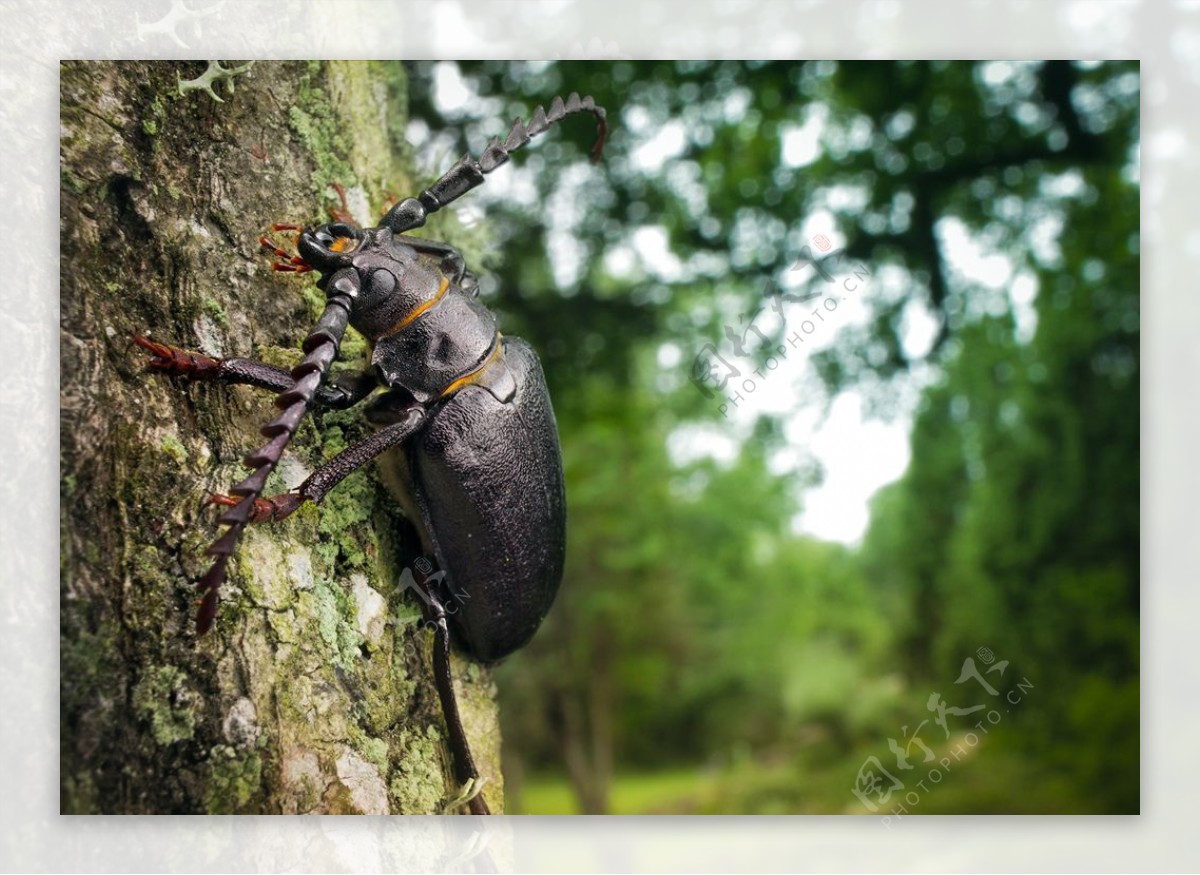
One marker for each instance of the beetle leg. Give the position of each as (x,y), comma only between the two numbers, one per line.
(333,472)
(346,390)
(453,264)
(321,348)
(176,362)
(341,213)
(464,764)
(351,459)
(276,507)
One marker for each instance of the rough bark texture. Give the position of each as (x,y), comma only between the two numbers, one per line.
(314,692)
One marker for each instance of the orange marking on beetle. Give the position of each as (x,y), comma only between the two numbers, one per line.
(477,373)
(418,310)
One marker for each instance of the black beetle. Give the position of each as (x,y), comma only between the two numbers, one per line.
(482,466)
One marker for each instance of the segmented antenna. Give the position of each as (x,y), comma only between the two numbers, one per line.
(468,173)
(320,349)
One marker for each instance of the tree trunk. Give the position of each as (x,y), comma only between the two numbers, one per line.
(313,693)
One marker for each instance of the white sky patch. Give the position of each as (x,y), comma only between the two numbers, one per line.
(1069,184)
(900,124)
(859,457)
(737,101)
(918,329)
(970,258)
(450,90)
(845,198)
(416,132)
(880,451)
(802,145)
(1043,239)
(690,443)
(650,243)
(669,355)
(620,261)
(1023,292)
(668,142)
(819,221)
(565,211)
(997,73)
(567,261)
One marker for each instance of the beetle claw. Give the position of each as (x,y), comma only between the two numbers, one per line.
(286,262)
(466,793)
(175,361)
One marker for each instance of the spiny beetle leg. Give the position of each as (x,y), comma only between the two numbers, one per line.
(352,458)
(345,390)
(321,346)
(329,475)
(275,508)
(177,362)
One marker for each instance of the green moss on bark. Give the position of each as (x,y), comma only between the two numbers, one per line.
(163,199)
(234,782)
(419,785)
(167,701)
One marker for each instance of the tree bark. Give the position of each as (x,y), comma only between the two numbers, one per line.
(314,692)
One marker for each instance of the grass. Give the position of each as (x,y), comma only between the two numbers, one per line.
(993,781)
(635,793)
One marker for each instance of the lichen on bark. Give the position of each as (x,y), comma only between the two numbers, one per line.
(314,692)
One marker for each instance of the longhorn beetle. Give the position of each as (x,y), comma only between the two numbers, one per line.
(470,409)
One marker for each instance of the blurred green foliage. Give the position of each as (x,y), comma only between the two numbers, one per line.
(702,655)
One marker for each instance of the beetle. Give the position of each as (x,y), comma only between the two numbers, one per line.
(481,465)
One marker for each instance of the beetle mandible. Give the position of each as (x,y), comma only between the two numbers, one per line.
(481,461)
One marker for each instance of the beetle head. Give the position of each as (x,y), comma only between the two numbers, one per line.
(329,248)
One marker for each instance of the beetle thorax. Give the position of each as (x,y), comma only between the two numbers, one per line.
(395,284)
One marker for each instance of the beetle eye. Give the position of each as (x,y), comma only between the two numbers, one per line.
(382,284)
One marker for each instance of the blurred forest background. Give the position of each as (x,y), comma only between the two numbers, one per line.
(705,655)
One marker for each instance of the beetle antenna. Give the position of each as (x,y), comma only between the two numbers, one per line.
(468,173)
(320,347)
